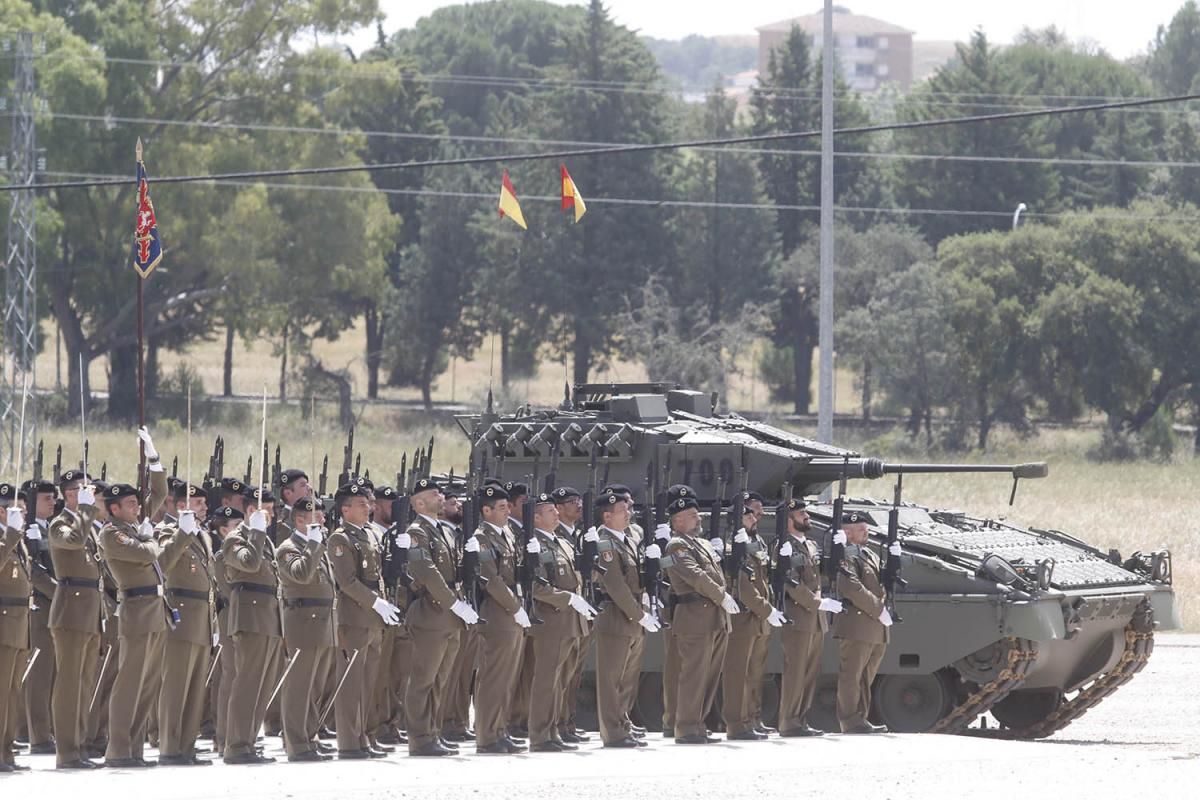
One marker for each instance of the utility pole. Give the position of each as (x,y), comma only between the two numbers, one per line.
(825,301)
(20,268)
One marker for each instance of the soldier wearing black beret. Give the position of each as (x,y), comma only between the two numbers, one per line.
(803,630)
(861,627)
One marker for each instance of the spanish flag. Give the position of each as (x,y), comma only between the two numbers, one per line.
(571,198)
(508,202)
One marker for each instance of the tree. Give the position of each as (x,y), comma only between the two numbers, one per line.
(1174,60)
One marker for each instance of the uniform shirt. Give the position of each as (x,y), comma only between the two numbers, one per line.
(498,561)
(622,611)
(187,563)
(803,599)
(557,562)
(73,551)
(434,570)
(309,594)
(134,564)
(754,589)
(697,585)
(357,565)
(249,561)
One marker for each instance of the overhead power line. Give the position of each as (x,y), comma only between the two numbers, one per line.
(634,148)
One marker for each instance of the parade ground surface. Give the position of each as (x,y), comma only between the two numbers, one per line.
(1144,741)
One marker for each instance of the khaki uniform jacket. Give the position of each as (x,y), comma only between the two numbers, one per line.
(754,591)
(862,598)
(41,570)
(134,565)
(434,571)
(222,583)
(356,563)
(305,574)
(697,586)
(73,549)
(498,561)
(803,600)
(187,561)
(557,562)
(15,588)
(249,559)
(622,583)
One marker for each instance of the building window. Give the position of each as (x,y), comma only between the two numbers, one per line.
(881,70)
(865,42)
(882,43)
(864,70)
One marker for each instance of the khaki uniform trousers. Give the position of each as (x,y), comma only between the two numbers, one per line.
(39,686)
(518,711)
(10,674)
(382,705)
(547,690)
(433,658)
(181,699)
(670,680)
(458,703)
(134,694)
(801,666)
(736,678)
(575,671)
(254,676)
(857,664)
(618,668)
(495,682)
(700,659)
(754,676)
(75,656)
(299,698)
(354,704)
(96,732)
(223,686)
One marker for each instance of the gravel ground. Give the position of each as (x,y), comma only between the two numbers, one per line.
(1144,741)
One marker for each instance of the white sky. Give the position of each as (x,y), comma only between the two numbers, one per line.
(1122,28)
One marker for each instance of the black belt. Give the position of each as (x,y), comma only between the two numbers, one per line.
(191,594)
(253,587)
(82,583)
(14,601)
(304,602)
(142,591)
(683,599)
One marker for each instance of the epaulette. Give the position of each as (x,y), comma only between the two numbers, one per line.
(418,554)
(604,545)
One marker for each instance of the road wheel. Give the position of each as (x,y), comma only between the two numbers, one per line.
(912,703)
(1026,707)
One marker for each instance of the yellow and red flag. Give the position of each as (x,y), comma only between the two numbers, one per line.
(571,198)
(509,206)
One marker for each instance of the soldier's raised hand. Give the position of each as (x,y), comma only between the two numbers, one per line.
(16,518)
(187,522)
(534,546)
(146,530)
(314,533)
(33,533)
(662,532)
(471,545)
(258,522)
(742,537)
(147,442)
(87,496)
(404,541)
(653,551)
(894,549)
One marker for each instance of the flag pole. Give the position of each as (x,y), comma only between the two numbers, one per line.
(141,362)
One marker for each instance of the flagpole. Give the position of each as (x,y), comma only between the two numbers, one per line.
(141,361)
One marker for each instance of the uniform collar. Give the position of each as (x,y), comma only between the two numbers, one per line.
(620,535)
(430,520)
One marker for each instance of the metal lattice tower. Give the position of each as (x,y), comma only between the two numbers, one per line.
(20,269)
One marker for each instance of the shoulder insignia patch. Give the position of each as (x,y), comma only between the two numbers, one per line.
(608,556)
(338,551)
(125,539)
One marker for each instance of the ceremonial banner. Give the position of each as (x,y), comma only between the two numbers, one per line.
(571,198)
(147,249)
(509,207)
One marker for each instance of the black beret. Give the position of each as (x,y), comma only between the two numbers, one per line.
(385,493)
(6,490)
(856,518)
(120,490)
(796,504)
(543,498)
(100,486)
(425,485)
(289,475)
(617,488)
(682,504)
(71,476)
(183,491)
(608,500)
(38,486)
(304,505)
(751,496)
(515,489)
(363,482)
(564,493)
(226,513)
(493,482)
(349,490)
(680,490)
(232,485)
(253,493)
(491,493)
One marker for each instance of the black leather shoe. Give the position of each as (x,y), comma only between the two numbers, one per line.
(459,736)
(77,764)
(516,742)
(548,746)
(325,733)
(801,732)
(448,744)
(636,734)
(174,761)
(193,761)
(122,763)
(564,745)
(325,749)
(628,741)
(866,727)
(311,756)
(691,738)
(765,730)
(385,748)
(431,749)
(249,758)
(42,748)
(375,752)
(353,755)
(518,732)
(571,737)
(747,736)
(6,768)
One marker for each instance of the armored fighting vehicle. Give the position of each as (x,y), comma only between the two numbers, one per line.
(1031,626)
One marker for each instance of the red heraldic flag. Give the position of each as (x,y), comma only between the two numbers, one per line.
(147,247)
(571,198)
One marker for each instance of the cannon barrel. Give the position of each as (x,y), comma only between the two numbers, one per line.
(830,469)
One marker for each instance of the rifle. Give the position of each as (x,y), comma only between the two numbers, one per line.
(277,469)
(396,576)
(37,464)
(527,571)
(781,573)
(104,470)
(175,467)
(347,458)
(469,574)
(323,478)
(249,470)
(589,552)
(891,568)
(429,458)
(57,463)
(837,552)
(357,465)
(651,567)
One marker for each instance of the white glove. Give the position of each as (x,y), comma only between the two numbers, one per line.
(718,544)
(645,601)
(386,611)
(522,618)
(146,530)
(583,607)
(87,496)
(187,522)
(315,534)
(742,537)
(258,522)
(729,604)
(776,618)
(470,546)
(663,531)
(785,550)
(650,623)
(33,533)
(653,551)
(839,537)
(886,619)
(16,518)
(829,604)
(144,435)
(894,549)
(591,535)
(464,612)
(404,541)
(534,546)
